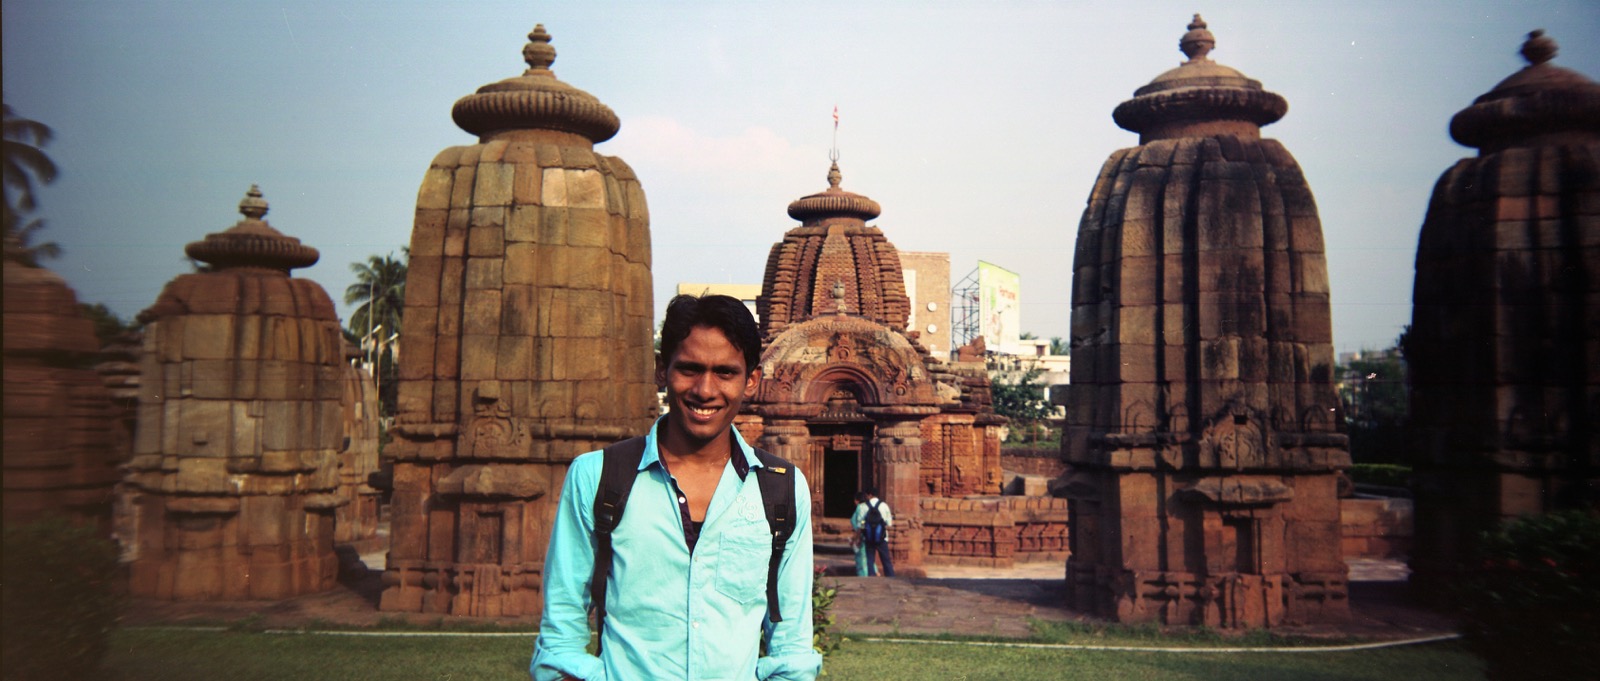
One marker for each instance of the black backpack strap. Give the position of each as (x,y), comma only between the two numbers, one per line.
(619,467)
(776,478)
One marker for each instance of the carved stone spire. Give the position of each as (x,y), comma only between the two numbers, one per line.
(1199,97)
(536,100)
(834,202)
(1198,42)
(1540,102)
(252,242)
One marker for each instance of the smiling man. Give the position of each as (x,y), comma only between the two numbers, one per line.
(695,580)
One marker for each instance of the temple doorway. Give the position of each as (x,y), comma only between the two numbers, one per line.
(841,479)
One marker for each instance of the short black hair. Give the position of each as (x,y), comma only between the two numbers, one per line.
(723,313)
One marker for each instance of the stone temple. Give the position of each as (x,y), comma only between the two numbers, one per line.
(856,401)
(234,475)
(63,440)
(527,340)
(1504,345)
(1201,445)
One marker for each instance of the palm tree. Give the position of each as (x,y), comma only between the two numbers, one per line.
(19,241)
(25,163)
(381,289)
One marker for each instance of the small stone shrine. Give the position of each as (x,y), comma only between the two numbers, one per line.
(234,474)
(1202,444)
(528,340)
(1504,345)
(61,431)
(856,402)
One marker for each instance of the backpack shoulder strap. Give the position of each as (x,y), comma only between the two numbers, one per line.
(619,467)
(776,477)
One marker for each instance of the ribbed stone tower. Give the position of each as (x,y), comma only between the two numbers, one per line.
(1504,346)
(850,396)
(63,440)
(832,249)
(527,340)
(1201,442)
(235,466)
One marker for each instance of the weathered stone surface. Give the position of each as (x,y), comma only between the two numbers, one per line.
(233,494)
(1200,492)
(63,436)
(1503,362)
(858,403)
(528,313)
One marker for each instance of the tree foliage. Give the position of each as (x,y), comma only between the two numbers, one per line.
(1376,403)
(1531,604)
(107,325)
(380,288)
(61,602)
(1019,396)
(25,164)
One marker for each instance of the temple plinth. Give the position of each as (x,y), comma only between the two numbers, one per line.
(1202,441)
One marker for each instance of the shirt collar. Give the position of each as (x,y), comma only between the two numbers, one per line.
(743,460)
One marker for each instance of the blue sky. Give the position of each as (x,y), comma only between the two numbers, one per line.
(979,127)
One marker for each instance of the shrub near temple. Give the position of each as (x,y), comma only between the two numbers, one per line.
(1531,605)
(60,600)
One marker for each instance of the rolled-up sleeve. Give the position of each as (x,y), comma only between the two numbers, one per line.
(790,655)
(568,564)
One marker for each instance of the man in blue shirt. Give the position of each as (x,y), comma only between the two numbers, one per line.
(686,597)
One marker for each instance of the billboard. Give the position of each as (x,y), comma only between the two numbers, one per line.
(999,306)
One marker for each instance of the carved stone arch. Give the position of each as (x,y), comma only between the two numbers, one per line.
(824,381)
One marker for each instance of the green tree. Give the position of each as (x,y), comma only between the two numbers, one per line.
(25,163)
(380,288)
(1059,346)
(1019,396)
(1373,390)
(107,325)
(61,600)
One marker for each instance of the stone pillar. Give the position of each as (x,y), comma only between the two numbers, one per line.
(235,465)
(897,459)
(791,439)
(61,429)
(528,340)
(1201,442)
(1504,344)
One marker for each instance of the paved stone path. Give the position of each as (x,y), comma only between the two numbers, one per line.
(950,600)
(987,602)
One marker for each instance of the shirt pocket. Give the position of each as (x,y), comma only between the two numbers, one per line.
(742,566)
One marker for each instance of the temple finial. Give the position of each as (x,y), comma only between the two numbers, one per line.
(253,206)
(538,52)
(834,175)
(1539,48)
(1198,42)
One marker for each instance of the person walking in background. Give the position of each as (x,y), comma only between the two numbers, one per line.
(856,542)
(875,519)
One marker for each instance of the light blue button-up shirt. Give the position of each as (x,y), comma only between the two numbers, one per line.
(670,615)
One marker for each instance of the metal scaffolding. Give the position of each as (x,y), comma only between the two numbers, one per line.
(964,314)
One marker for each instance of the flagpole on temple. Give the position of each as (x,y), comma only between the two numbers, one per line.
(833,153)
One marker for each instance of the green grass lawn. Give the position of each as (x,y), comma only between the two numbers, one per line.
(183,655)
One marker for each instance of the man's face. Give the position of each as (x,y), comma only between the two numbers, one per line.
(706,381)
